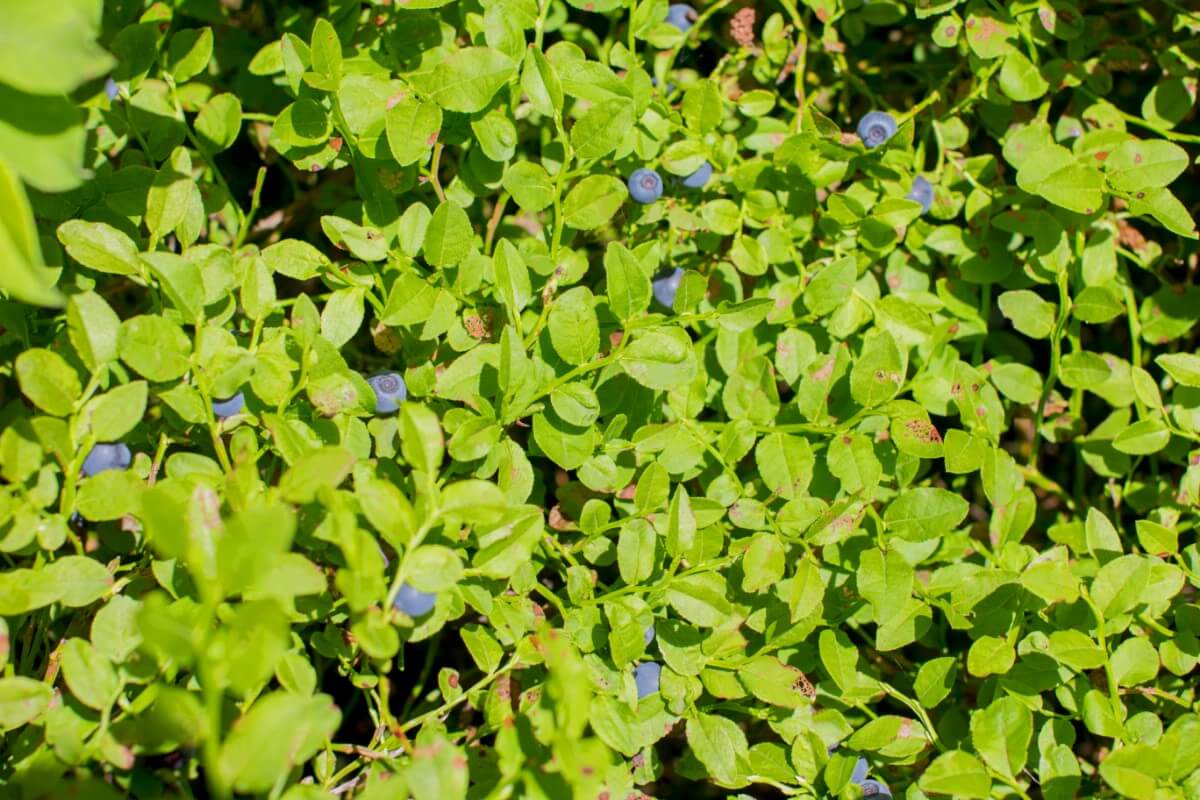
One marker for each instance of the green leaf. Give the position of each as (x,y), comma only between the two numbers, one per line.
(79,581)
(180,281)
(278,732)
(467,79)
(541,83)
(1020,78)
(326,53)
(786,464)
(700,599)
(413,126)
(574,328)
(1184,368)
(1001,734)
(324,467)
(115,413)
(155,347)
(661,358)
(42,139)
(1143,438)
(22,700)
(94,328)
(99,246)
(599,130)
(1135,164)
(702,106)
(593,201)
(636,554)
(512,280)
(628,284)
(25,277)
(189,52)
(530,185)
(170,194)
(1029,313)
(719,744)
(959,774)
(1096,305)
(924,513)
(27,63)
(48,381)
(89,674)
(449,236)
(219,122)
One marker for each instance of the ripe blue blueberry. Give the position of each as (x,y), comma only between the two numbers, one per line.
(390,391)
(649,635)
(645,186)
(700,177)
(666,286)
(105,457)
(646,677)
(860,771)
(111,90)
(876,789)
(229,407)
(414,602)
(922,192)
(875,128)
(682,16)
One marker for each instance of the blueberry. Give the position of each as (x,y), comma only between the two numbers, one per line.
(645,186)
(111,90)
(876,789)
(649,635)
(670,86)
(875,128)
(700,177)
(666,286)
(922,192)
(229,407)
(860,771)
(681,15)
(389,391)
(105,457)
(414,602)
(646,677)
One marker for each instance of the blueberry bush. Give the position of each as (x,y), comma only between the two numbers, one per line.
(599,399)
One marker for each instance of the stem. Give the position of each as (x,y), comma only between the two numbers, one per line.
(1141,123)
(204,154)
(434,166)
(1113,690)
(255,197)
(494,222)
(1064,311)
(916,708)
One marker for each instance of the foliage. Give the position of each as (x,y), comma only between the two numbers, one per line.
(363,435)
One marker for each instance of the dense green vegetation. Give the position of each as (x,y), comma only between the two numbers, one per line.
(606,399)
